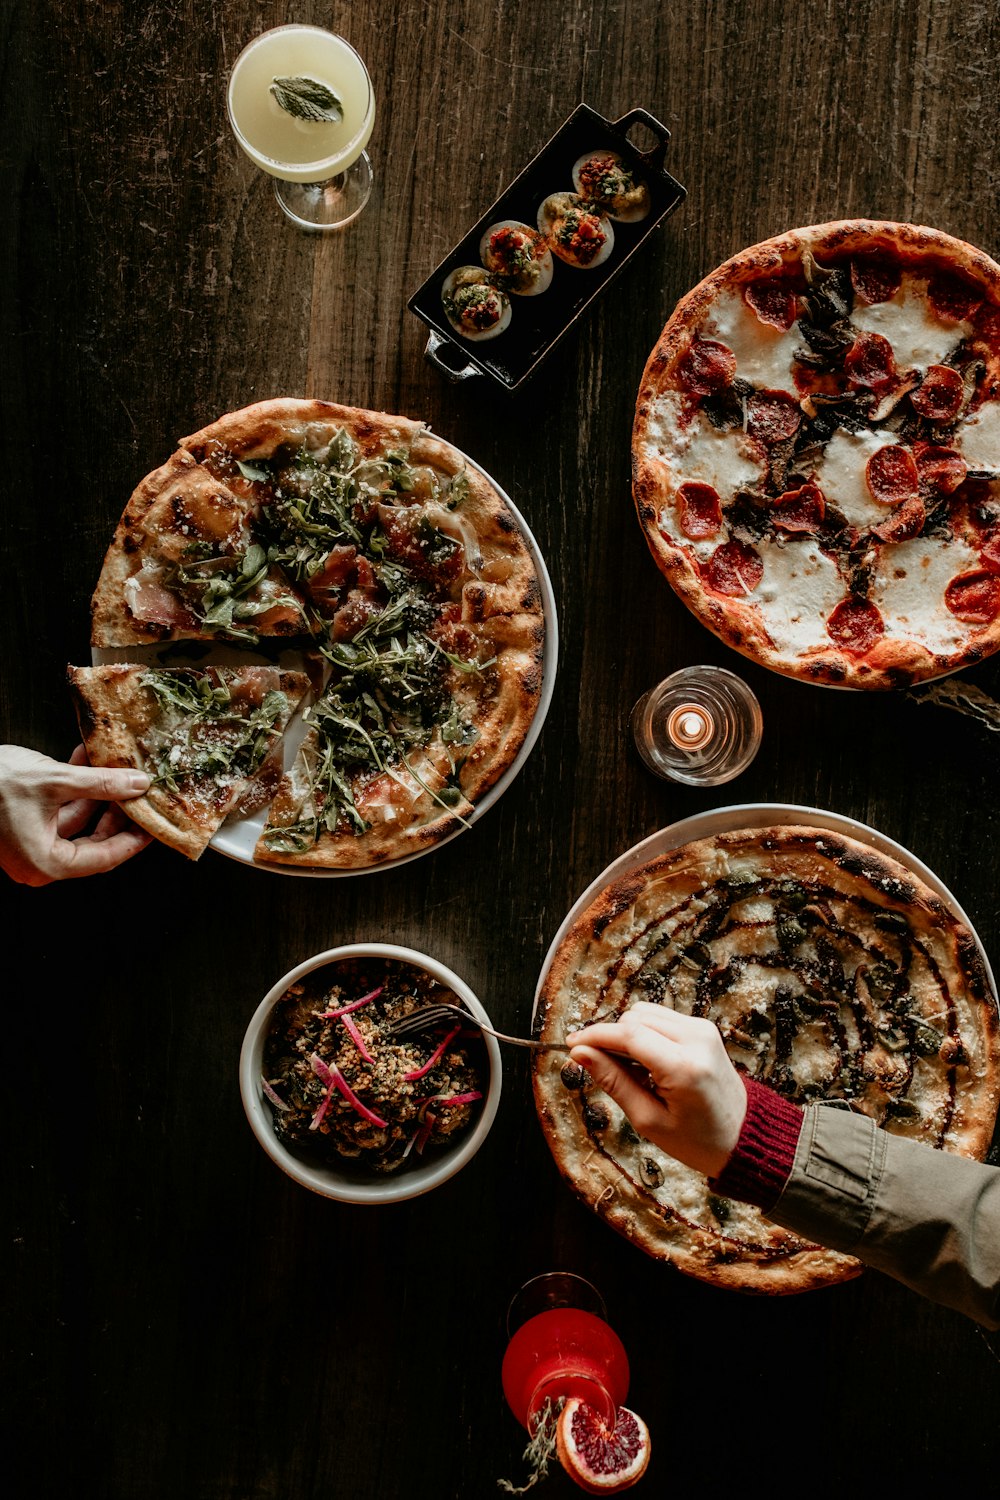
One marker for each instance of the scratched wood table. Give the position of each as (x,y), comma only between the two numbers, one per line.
(181,1319)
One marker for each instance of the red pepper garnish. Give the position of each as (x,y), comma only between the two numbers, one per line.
(419,1072)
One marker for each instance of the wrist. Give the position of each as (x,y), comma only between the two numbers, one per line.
(762,1158)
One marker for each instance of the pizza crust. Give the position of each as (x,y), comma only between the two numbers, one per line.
(753,626)
(704,928)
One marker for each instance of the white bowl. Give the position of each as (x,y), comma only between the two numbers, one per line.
(354,1186)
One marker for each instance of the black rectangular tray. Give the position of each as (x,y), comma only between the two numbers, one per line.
(538,323)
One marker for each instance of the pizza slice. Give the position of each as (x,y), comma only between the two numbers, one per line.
(186,562)
(210,739)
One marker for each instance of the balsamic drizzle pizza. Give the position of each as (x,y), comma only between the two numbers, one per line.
(361,537)
(831,971)
(816,453)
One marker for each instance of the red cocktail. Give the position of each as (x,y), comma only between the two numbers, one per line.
(561,1346)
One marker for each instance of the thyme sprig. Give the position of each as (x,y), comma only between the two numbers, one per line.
(541,1449)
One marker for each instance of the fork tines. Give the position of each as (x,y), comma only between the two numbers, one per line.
(427,1017)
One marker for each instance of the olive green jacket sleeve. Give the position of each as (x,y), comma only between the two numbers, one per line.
(929,1218)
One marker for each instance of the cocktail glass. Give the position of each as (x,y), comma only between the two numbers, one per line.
(562,1346)
(302,107)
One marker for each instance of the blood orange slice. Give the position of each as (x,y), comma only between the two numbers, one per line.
(601,1462)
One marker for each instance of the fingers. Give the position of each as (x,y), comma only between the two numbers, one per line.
(104,783)
(659,1018)
(73,817)
(95,855)
(639,1104)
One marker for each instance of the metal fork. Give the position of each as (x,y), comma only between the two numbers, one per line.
(435,1015)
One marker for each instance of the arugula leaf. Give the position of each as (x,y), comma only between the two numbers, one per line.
(252,471)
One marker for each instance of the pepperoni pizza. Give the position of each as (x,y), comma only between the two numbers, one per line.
(816,453)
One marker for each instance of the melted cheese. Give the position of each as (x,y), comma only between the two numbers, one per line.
(918,336)
(727,460)
(799,590)
(978,440)
(909,591)
(840,474)
(763,353)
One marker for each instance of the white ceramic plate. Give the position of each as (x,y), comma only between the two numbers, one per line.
(237,838)
(753,815)
(356,1187)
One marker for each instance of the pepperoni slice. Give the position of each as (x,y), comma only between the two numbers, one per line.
(707,366)
(699,508)
(953,298)
(988,324)
(774,302)
(735,568)
(799,510)
(974,597)
(940,469)
(869,362)
(989,553)
(905,522)
(855,626)
(772,416)
(891,474)
(939,395)
(875,280)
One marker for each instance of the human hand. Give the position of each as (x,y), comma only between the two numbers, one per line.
(46,806)
(694,1103)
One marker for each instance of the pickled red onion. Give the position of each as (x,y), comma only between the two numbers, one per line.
(335,1079)
(419,1072)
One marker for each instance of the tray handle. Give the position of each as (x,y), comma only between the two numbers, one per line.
(436,342)
(653,158)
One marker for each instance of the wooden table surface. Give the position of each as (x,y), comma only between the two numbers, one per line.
(182,1320)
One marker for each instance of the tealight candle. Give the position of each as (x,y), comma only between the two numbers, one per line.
(701,725)
(690,727)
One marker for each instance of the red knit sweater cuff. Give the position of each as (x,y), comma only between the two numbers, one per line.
(759,1166)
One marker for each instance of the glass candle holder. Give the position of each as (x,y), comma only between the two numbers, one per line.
(561,1345)
(701,726)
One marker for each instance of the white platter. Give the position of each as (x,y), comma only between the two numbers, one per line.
(237,838)
(753,815)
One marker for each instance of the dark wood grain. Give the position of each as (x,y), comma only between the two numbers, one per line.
(181,1319)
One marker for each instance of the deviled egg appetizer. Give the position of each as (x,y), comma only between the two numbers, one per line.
(578,236)
(603,179)
(474,306)
(517,256)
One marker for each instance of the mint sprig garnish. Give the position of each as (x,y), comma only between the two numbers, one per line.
(307,99)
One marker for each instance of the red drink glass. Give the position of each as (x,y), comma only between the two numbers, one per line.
(560,1346)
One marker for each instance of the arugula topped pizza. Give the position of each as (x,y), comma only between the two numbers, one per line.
(816,453)
(361,536)
(210,740)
